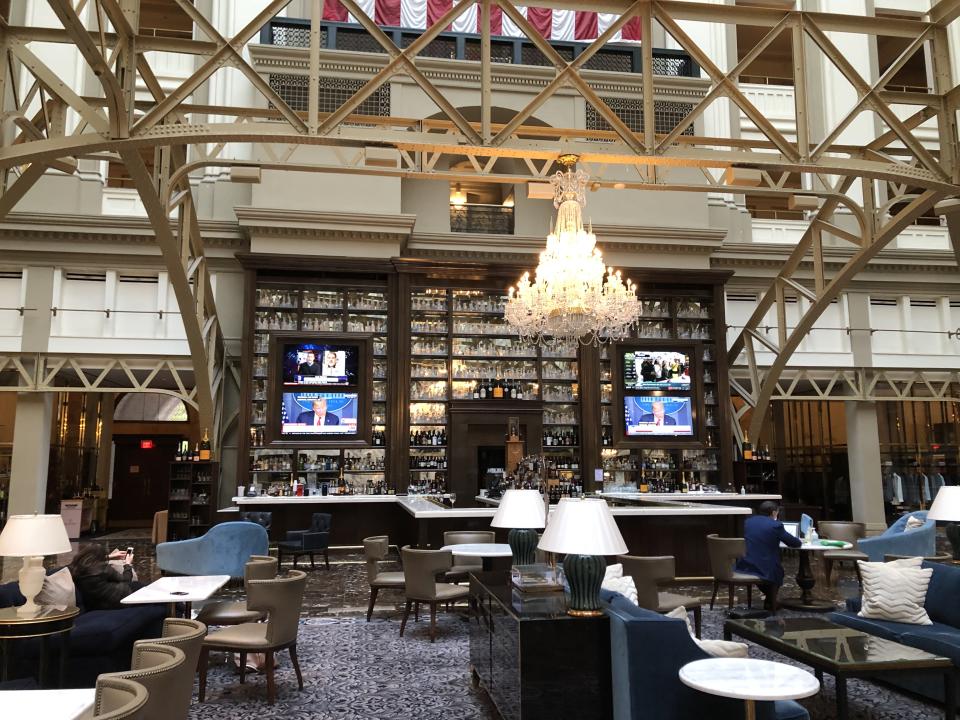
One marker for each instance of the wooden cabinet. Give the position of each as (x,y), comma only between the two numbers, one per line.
(535,661)
(192,503)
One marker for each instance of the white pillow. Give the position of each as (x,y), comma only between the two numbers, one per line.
(895,591)
(58,590)
(613,571)
(714,648)
(913,523)
(623,585)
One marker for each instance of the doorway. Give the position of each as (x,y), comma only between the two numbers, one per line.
(141,480)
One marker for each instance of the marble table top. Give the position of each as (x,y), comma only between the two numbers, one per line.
(480,549)
(189,588)
(816,546)
(749,679)
(48,704)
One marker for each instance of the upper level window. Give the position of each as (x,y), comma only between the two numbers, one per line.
(150,407)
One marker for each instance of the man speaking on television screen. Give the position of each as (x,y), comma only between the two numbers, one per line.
(309,366)
(657,416)
(318,415)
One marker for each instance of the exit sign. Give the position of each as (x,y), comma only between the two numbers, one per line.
(146,444)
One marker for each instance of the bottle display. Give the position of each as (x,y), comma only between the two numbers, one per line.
(205,446)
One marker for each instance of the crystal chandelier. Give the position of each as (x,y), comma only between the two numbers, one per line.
(574,297)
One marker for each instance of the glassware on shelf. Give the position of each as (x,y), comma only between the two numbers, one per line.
(276,297)
(559,369)
(497,369)
(259,367)
(322,322)
(560,351)
(428,324)
(379,391)
(432,300)
(428,390)
(492,347)
(653,329)
(258,414)
(261,342)
(379,369)
(605,415)
(560,415)
(366,301)
(471,325)
(323,299)
(478,301)
(693,308)
(367,324)
(708,353)
(379,413)
(655,308)
(559,393)
(428,413)
(380,346)
(420,345)
(428,368)
(258,390)
(687,330)
(267,320)
(707,375)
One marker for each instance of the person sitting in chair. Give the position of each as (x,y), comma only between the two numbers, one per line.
(764,532)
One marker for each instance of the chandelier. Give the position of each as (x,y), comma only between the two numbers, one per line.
(573,297)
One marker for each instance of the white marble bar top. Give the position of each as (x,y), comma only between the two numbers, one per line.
(690,497)
(658,506)
(312,499)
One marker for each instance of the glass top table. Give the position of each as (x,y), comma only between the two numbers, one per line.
(840,651)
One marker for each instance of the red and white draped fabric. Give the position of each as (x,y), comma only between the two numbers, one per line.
(578,25)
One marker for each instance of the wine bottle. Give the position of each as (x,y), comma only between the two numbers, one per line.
(498,390)
(483,390)
(205,446)
(476,390)
(196,452)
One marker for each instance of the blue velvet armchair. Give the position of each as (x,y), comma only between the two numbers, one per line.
(647,651)
(223,550)
(895,540)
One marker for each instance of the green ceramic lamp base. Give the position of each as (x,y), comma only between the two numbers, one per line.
(584,575)
(523,544)
(953,535)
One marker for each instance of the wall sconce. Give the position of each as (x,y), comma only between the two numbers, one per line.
(458,197)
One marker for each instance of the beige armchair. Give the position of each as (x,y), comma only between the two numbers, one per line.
(724,552)
(163,671)
(187,635)
(118,699)
(648,574)
(375,550)
(420,571)
(850,532)
(463,566)
(280,599)
(234,612)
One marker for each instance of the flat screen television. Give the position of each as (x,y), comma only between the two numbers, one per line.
(658,416)
(655,369)
(307,413)
(317,363)
(321,390)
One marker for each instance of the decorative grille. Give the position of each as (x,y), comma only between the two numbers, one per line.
(666,115)
(334,92)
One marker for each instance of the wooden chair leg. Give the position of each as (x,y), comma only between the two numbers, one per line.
(716,588)
(243,667)
(373,600)
(203,661)
(312,565)
(416,612)
(433,621)
(271,680)
(729,596)
(827,570)
(296,665)
(697,620)
(856,567)
(749,596)
(295,558)
(326,558)
(279,558)
(406,614)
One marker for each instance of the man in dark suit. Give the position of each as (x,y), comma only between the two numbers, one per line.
(657,416)
(318,416)
(310,366)
(764,532)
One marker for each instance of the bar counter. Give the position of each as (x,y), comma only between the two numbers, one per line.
(665,524)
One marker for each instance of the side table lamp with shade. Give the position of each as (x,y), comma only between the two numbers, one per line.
(31,537)
(524,513)
(946,507)
(584,530)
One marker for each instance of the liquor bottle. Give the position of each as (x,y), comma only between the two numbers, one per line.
(766,453)
(684,487)
(196,452)
(519,391)
(205,446)
(483,390)
(747,448)
(476,390)
(498,390)
(644,484)
(513,391)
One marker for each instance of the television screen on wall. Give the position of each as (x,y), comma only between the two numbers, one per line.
(312,363)
(318,414)
(655,370)
(657,416)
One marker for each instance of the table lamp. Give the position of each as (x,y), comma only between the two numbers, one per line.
(584,530)
(523,512)
(31,537)
(946,506)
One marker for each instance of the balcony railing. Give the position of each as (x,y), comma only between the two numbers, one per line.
(613,57)
(479,218)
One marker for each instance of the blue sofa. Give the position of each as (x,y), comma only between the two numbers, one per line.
(648,650)
(223,550)
(101,640)
(941,638)
(921,542)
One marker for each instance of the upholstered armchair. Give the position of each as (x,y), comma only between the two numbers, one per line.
(649,574)
(118,699)
(223,550)
(724,552)
(463,566)
(163,671)
(375,551)
(187,636)
(897,540)
(315,539)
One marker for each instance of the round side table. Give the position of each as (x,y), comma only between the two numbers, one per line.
(806,581)
(749,680)
(48,622)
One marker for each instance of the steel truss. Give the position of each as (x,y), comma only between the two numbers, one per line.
(893,177)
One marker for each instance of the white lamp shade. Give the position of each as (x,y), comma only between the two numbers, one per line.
(28,535)
(520,509)
(582,527)
(946,505)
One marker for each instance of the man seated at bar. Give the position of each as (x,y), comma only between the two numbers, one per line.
(764,532)
(319,415)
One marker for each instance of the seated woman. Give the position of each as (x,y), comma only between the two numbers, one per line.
(764,532)
(101,586)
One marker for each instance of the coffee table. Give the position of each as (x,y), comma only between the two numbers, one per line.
(749,680)
(185,589)
(843,652)
(806,581)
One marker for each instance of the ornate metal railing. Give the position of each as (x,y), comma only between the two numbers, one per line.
(477,218)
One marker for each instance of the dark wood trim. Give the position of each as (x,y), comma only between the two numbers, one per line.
(246,375)
(724,435)
(313,263)
(590,414)
(398,388)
